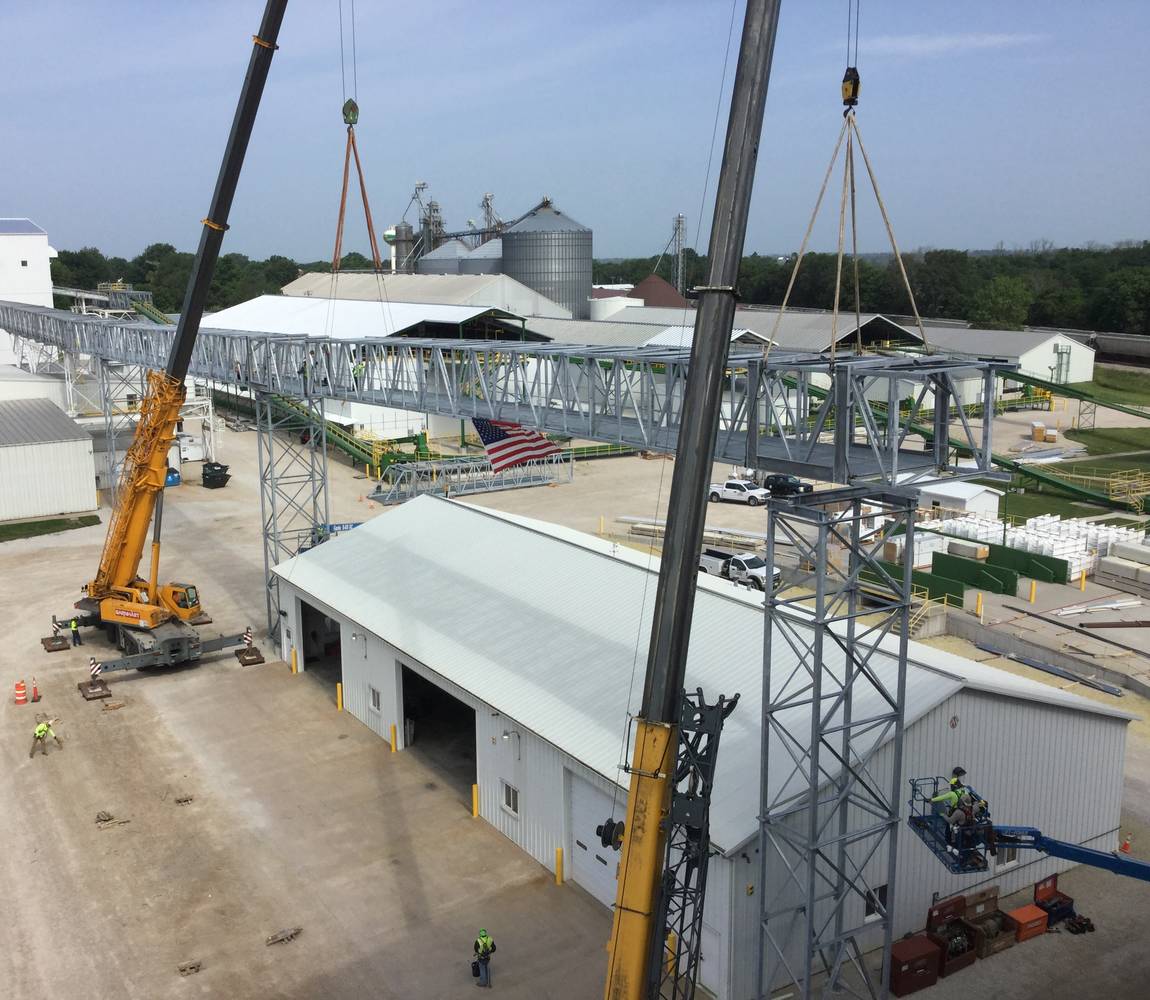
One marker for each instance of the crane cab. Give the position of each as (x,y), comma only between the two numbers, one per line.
(183,601)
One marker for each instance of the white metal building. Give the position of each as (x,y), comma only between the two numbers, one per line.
(46,464)
(25,272)
(957,495)
(534,632)
(15,383)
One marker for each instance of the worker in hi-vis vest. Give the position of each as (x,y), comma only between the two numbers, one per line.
(74,625)
(484,949)
(41,735)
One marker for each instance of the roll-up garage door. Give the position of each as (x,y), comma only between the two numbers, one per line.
(593,866)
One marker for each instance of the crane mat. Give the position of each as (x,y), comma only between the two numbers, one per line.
(54,643)
(287,934)
(249,657)
(94,690)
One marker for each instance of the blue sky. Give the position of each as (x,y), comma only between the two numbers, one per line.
(985,121)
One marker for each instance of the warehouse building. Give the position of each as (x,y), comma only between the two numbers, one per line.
(46,465)
(502,650)
(25,271)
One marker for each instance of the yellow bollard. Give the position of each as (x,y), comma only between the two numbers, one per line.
(474,801)
(601,525)
(1082,581)
(669,961)
(978,605)
(393,738)
(558,865)
(367,469)
(1033,590)
(338,696)
(294,662)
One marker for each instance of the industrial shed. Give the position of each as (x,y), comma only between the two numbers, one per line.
(503,649)
(46,462)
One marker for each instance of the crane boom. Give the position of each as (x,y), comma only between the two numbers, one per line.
(116,592)
(632,949)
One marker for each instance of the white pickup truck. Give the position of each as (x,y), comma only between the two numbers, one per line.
(739,490)
(739,567)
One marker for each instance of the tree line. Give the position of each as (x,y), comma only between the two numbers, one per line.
(1092,288)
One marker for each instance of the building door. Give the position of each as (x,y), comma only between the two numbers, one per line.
(593,866)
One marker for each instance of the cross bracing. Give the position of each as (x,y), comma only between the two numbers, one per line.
(855,418)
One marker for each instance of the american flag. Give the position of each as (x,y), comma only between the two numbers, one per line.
(509,444)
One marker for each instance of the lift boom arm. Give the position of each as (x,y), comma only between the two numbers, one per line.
(147,461)
(1029,837)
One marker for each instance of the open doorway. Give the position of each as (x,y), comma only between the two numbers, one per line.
(321,649)
(441,729)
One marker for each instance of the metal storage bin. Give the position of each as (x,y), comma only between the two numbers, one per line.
(214,475)
(947,927)
(914,965)
(994,930)
(1031,921)
(1058,905)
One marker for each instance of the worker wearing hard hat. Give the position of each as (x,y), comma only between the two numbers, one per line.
(484,949)
(40,736)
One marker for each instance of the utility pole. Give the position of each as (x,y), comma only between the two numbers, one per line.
(632,949)
(680,240)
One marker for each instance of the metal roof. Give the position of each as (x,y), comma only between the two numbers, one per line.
(344,319)
(1012,344)
(20,227)
(550,627)
(36,421)
(440,289)
(490,250)
(546,218)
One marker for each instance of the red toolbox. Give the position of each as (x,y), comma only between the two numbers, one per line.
(994,930)
(947,927)
(1031,921)
(1058,905)
(914,965)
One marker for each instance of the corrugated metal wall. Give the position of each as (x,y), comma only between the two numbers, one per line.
(1037,765)
(39,480)
(555,264)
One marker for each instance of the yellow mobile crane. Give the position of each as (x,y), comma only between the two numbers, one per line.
(154,622)
(655,936)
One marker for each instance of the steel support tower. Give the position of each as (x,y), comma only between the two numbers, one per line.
(292,450)
(834,684)
(679,244)
(122,388)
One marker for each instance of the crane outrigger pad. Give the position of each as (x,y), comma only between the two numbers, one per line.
(54,643)
(94,690)
(250,656)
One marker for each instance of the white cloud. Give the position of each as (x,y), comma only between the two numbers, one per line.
(918,46)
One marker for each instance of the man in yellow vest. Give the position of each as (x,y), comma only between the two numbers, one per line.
(41,735)
(484,949)
(74,626)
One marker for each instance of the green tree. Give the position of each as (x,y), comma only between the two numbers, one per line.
(1122,302)
(1002,304)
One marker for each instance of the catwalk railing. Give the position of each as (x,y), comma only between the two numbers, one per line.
(774,415)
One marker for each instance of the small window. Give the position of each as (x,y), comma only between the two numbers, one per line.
(1006,856)
(510,798)
(23,263)
(875,901)
(375,700)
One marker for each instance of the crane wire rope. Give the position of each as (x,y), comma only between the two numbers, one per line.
(624,742)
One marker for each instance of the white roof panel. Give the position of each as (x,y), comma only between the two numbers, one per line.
(551,627)
(346,319)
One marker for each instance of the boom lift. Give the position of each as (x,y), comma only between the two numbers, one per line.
(153,622)
(963,848)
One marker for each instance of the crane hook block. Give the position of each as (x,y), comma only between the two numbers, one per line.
(850,87)
(351,110)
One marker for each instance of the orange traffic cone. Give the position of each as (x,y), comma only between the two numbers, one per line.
(35,691)
(361,499)
(1125,848)
(21,693)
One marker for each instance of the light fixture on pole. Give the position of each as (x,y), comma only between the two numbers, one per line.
(507,734)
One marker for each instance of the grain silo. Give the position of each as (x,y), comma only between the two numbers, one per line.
(551,253)
(487,258)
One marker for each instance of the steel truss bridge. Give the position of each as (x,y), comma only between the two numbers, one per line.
(863,421)
(836,419)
